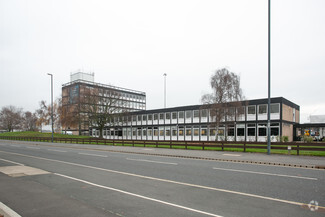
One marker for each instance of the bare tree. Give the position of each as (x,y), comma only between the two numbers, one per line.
(11,118)
(101,107)
(68,115)
(42,115)
(29,121)
(225,98)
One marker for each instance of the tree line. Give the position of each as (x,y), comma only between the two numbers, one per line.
(13,118)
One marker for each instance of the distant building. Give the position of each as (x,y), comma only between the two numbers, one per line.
(74,91)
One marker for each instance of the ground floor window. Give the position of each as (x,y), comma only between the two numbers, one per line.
(251,129)
(181,131)
(188,131)
(204,131)
(275,129)
(262,130)
(231,130)
(196,130)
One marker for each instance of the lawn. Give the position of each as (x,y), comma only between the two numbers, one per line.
(162,144)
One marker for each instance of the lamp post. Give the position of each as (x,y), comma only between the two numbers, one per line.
(165,75)
(51,103)
(269,81)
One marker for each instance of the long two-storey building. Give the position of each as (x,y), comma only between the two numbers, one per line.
(246,121)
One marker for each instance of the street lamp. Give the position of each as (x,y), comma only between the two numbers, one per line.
(51,104)
(269,81)
(165,75)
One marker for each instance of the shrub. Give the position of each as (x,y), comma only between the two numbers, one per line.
(285,138)
(307,139)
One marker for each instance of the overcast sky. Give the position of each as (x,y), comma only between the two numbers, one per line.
(133,43)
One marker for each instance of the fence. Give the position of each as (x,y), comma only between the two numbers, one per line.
(216,145)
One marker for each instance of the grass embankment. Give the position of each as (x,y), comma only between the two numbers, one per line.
(164,145)
(39,134)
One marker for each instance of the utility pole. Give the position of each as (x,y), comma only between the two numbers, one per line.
(269,81)
(52,104)
(165,75)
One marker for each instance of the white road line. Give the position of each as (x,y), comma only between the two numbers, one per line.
(32,147)
(158,162)
(9,161)
(96,155)
(166,180)
(233,155)
(15,145)
(7,211)
(56,150)
(262,173)
(139,196)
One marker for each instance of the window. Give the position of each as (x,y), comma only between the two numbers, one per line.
(155,117)
(196,130)
(188,114)
(174,131)
(262,129)
(167,131)
(231,130)
(221,132)
(139,131)
(139,117)
(275,108)
(174,115)
(251,110)
(188,131)
(212,132)
(150,117)
(181,131)
(262,109)
(240,131)
(155,131)
(149,131)
(161,116)
(144,131)
(167,116)
(181,115)
(134,132)
(204,113)
(251,129)
(204,131)
(240,111)
(144,117)
(161,131)
(275,129)
(196,113)
(134,118)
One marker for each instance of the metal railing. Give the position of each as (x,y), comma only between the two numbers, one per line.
(201,145)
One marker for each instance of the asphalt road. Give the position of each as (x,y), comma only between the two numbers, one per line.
(83,182)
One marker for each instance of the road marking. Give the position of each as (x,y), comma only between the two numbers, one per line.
(166,180)
(158,162)
(9,161)
(262,173)
(233,155)
(96,155)
(139,196)
(18,171)
(15,145)
(7,211)
(32,147)
(56,150)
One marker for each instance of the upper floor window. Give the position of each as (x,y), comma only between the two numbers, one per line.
(167,116)
(251,110)
(262,109)
(275,108)
(155,117)
(204,113)
(150,117)
(196,113)
(161,116)
(188,114)
(181,115)
(174,115)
